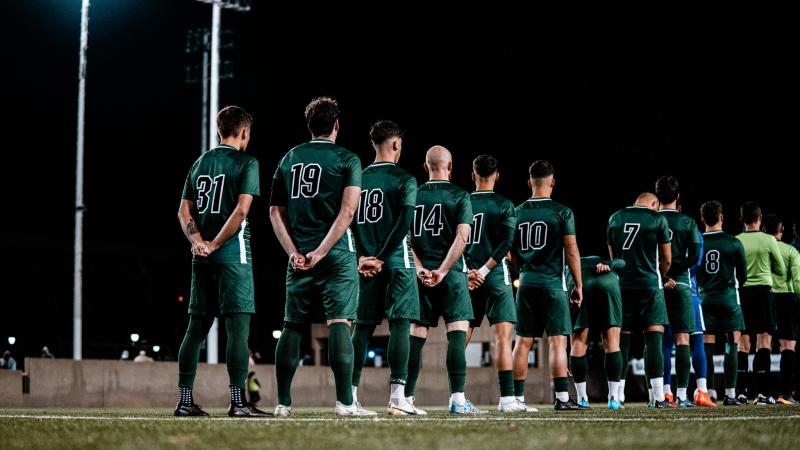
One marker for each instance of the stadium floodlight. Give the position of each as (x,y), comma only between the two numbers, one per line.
(276,334)
(156,348)
(12,340)
(234,5)
(516,284)
(371,354)
(134,337)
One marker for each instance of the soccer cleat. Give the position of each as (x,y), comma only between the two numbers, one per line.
(526,408)
(283,411)
(621,405)
(417,411)
(613,404)
(669,397)
(583,403)
(743,399)
(660,404)
(703,399)
(764,401)
(191,410)
(352,410)
(246,409)
(400,409)
(712,394)
(731,401)
(786,400)
(512,407)
(568,405)
(363,411)
(683,404)
(466,408)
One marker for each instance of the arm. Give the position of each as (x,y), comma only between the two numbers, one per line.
(794,271)
(691,260)
(778,265)
(666,258)
(279,216)
(186,215)
(343,219)
(455,252)
(422,273)
(234,222)
(502,250)
(397,233)
(574,264)
(741,264)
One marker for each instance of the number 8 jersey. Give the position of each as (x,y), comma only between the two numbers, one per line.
(214,183)
(441,207)
(309,182)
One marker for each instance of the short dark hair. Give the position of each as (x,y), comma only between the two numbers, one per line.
(485,165)
(231,120)
(667,189)
(750,212)
(383,130)
(772,223)
(541,169)
(710,212)
(321,114)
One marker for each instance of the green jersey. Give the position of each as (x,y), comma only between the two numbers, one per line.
(634,234)
(493,222)
(384,189)
(214,184)
(763,258)
(539,242)
(723,265)
(683,234)
(441,207)
(309,182)
(791,281)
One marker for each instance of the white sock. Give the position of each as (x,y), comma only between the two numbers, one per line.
(621,390)
(681,394)
(458,398)
(355,394)
(613,389)
(658,388)
(410,399)
(563,396)
(397,393)
(712,393)
(581,390)
(507,400)
(701,385)
(650,394)
(667,389)
(730,392)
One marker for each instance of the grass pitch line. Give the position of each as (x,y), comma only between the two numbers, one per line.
(564,418)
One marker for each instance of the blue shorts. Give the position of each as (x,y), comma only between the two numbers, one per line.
(699,324)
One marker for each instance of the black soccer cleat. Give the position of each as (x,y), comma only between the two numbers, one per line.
(568,405)
(245,410)
(190,410)
(660,404)
(731,401)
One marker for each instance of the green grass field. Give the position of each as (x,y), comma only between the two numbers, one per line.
(771,427)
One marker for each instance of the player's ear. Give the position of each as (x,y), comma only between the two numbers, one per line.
(336,126)
(496,177)
(529,183)
(472,175)
(425,166)
(552,183)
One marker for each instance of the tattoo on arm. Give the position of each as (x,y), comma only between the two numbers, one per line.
(191,227)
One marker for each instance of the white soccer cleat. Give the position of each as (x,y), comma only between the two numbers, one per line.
(524,407)
(352,410)
(283,411)
(401,408)
(512,407)
(419,412)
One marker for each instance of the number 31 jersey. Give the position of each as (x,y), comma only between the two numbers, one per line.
(309,182)
(214,184)
(385,188)
(441,207)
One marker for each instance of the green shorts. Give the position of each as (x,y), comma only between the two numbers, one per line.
(541,310)
(601,308)
(449,299)
(680,309)
(495,301)
(391,293)
(642,308)
(333,282)
(221,288)
(722,313)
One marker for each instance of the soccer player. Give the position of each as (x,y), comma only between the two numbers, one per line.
(389,281)
(786,304)
(601,309)
(796,232)
(758,304)
(494,222)
(544,243)
(677,284)
(442,220)
(723,268)
(640,235)
(697,342)
(315,193)
(216,200)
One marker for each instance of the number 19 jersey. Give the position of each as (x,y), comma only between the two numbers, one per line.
(441,207)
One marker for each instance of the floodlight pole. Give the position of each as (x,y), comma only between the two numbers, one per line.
(77,273)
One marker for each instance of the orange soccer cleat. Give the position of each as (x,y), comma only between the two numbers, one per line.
(702,399)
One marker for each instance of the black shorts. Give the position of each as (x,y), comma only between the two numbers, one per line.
(788,308)
(758,309)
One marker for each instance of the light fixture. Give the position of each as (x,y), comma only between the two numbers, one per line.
(156,348)
(134,337)
(276,334)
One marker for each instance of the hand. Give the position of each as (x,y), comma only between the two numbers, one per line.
(436,277)
(200,248)
(602,268)
(424,275)
(313,258)
(576,297)
(212,247)
(670,284)
(297,261)
(368,266)
(475,279)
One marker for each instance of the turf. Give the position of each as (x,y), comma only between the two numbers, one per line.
(772,427)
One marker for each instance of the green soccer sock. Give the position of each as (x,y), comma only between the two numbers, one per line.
(340,357)
(519,388)
(287,355)
(506,380)
(732,365)
(710,364)
(654,355)
(683,365)
(399,348)
(579,368)
(237,352)
(561,388)
(456,360)
(625,349)
(613,363)
(360,339)
(414,364)
(189,353)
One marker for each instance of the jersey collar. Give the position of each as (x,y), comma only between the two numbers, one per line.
(320,141)
(228,146)
(483,192)
(638,207)
(669,209)
(382,163)
(713,232)
(539,199)
(437,181)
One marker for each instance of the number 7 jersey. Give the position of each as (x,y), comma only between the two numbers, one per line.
(634,234)
(309,182)
(214,184)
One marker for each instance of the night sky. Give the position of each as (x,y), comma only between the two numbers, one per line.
(612,103)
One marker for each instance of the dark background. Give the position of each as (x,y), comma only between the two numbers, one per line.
(613,98)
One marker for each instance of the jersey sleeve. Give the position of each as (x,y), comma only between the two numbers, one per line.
(794,270)
(408,192)
(188,189)
(662,230)
(569,222)
(508,215)
(352,171)
(463,209)
(279,195)
(778,264)
(741,262)
(250,182)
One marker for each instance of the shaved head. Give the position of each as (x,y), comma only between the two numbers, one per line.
(438,158)
(647,199)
